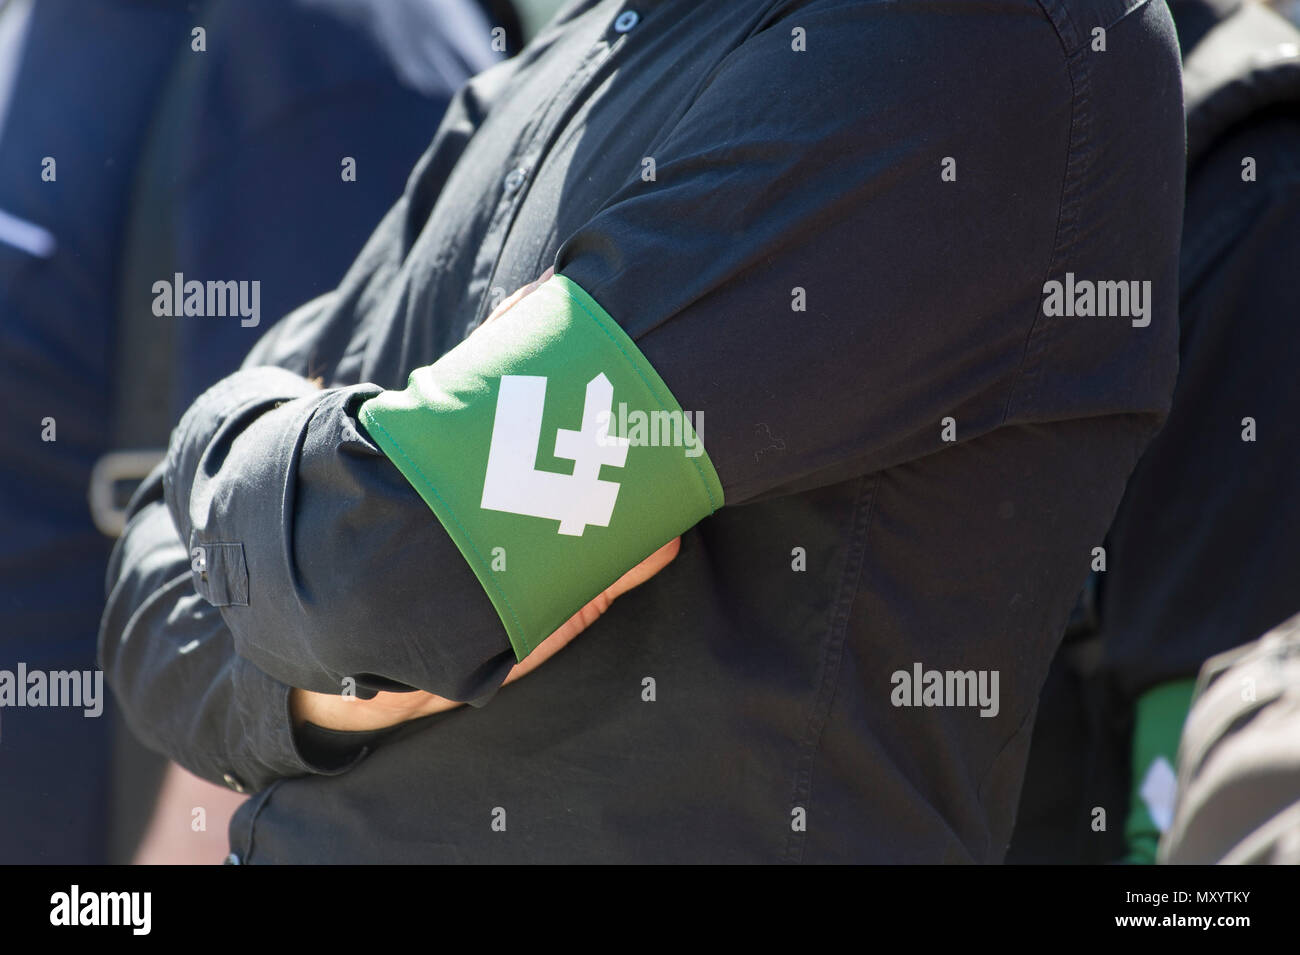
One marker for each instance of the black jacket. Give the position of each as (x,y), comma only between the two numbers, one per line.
(796,147)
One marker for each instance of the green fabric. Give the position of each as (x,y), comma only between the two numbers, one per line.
(439,432)
(1158,727)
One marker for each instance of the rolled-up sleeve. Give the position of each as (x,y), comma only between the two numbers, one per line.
(170,659)
(228,586)
(317,552)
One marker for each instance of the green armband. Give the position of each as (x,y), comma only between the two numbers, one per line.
(1158,727)
(552,453)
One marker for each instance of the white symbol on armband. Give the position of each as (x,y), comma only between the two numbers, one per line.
(514,485)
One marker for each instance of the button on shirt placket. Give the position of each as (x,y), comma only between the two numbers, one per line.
(532,150)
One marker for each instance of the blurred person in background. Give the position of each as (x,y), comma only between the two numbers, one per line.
(140,139)
(1204,553)
(1238,798)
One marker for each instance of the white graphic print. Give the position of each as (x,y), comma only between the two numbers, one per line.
(514,485)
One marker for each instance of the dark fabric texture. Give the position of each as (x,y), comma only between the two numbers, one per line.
(774,171)
(1203,555)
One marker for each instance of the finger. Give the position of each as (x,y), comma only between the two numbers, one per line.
(643,571)
(588,615)
(513,299)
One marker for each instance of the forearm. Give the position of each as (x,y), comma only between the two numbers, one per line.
(171,662)
(324,564)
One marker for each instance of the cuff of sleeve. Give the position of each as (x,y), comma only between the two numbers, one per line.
(553,454)
(250,390)
(263,704)
(335,750)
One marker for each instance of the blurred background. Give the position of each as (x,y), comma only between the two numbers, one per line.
(227,139)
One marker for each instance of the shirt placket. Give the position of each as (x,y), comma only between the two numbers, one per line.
(531,150)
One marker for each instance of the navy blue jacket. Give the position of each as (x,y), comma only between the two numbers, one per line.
(253,190)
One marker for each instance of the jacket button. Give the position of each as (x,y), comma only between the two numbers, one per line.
(234,782)
(626,21)
(515,179)
(232,859)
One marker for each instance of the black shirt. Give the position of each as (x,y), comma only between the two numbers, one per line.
(802,155)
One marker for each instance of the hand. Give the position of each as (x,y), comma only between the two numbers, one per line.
(508,303)
(334,711)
